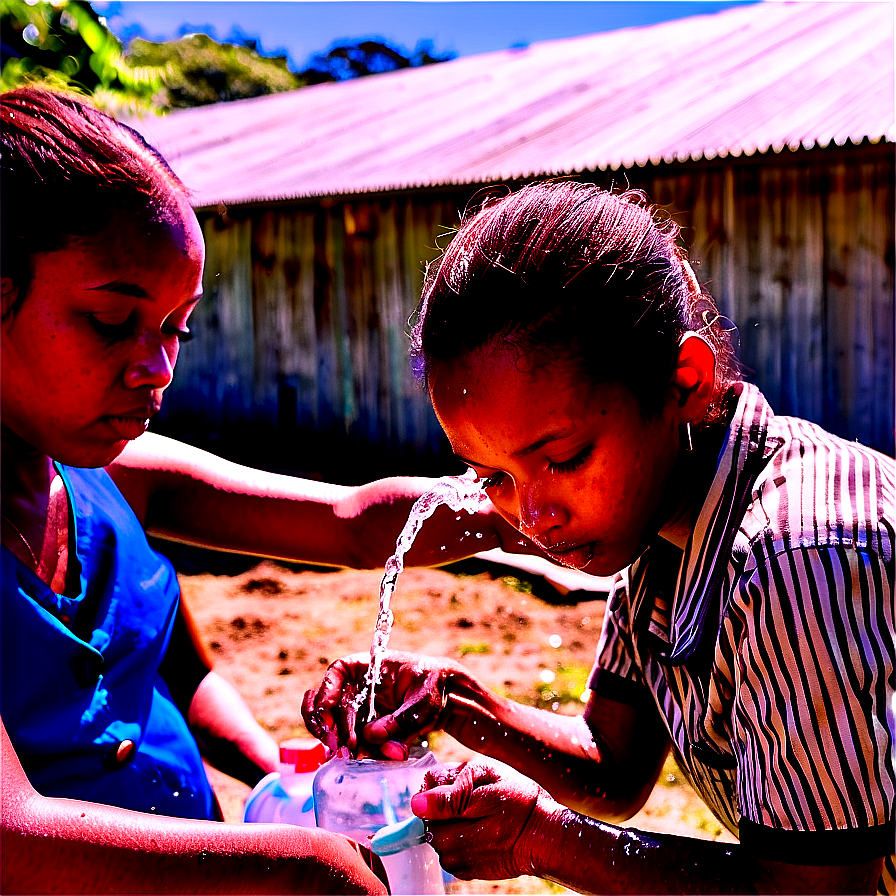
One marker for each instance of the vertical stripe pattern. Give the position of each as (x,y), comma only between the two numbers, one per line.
(769,644)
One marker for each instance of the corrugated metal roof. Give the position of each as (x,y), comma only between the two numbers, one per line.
(751,79)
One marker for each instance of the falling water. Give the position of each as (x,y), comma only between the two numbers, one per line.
(459,493)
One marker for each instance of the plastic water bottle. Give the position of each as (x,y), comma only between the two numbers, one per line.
(287,796)
(362,797)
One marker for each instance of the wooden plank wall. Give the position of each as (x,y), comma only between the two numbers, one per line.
(800,258)
(300,355)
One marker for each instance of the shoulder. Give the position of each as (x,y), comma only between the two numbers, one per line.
(818,490)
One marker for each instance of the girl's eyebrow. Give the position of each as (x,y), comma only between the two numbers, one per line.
(540,443)
(122,287)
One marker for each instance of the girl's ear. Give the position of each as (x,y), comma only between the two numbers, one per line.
(10,295)
(694,377)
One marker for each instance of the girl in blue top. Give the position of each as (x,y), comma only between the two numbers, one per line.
(103,685)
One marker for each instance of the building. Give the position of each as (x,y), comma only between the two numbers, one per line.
(766,130)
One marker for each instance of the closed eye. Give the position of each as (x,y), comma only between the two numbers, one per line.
(569,466)
(114,332)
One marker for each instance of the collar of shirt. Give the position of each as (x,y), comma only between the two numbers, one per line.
(677,624)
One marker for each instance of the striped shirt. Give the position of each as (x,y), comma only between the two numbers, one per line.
(768,644)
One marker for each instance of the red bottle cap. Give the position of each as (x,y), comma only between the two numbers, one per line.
(305,753)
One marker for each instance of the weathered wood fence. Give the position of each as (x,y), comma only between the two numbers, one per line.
(300,355)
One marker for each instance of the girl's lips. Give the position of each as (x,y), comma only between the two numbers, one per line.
(576,557)
(128,428)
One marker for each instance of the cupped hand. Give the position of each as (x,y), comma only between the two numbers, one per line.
(410,701)
(486,822)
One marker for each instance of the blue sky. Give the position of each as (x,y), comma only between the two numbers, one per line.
(301,29)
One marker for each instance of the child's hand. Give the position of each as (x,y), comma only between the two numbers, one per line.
(410,701)
(486,822)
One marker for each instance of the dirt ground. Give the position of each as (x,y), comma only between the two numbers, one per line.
(272,632)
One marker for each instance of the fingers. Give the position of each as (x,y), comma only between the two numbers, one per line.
(331,710)
(420,688)
(410,699)
(466,792)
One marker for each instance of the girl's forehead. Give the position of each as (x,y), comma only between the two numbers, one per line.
(488,386)
(131,234)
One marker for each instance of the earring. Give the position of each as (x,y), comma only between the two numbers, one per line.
(686,439)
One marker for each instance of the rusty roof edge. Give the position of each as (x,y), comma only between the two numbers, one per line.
(709,155)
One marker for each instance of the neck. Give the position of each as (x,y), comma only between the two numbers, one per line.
(26,476)
(695,470)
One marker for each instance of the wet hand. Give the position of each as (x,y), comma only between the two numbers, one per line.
(410,700)
(486,822)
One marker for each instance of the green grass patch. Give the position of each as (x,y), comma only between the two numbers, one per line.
(515,584)
(568,682)
(465,649)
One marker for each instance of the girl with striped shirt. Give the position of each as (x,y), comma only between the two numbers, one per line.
(576,365)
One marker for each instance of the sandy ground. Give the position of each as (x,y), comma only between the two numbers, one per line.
(273,632)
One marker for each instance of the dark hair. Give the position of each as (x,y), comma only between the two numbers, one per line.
(572,270)
(66,167)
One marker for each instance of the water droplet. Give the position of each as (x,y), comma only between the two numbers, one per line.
(555,706)
(555,641)
(547,676)
(479,535)
(176,793)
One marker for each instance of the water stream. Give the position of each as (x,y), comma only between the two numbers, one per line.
(459,493)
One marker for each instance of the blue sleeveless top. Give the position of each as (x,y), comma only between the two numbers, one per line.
(71,694)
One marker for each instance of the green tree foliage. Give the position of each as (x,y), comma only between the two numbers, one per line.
(64,42)
(199,71)
(67,44)
(344,61)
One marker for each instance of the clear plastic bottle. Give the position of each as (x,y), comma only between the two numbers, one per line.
(287,796)
(358,797)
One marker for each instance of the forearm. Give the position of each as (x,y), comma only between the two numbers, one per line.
(597,857)
(227,732)
(77,847)
(559,752)
(184,494)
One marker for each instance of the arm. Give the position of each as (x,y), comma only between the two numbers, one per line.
(489,823)
(227,733)
(188,495)
(604,764)
(497,825)
(61,845)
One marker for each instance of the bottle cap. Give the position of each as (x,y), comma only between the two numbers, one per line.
(397,837)
(304,753)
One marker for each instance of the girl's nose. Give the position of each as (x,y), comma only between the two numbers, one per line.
(151,365)
(538,514)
